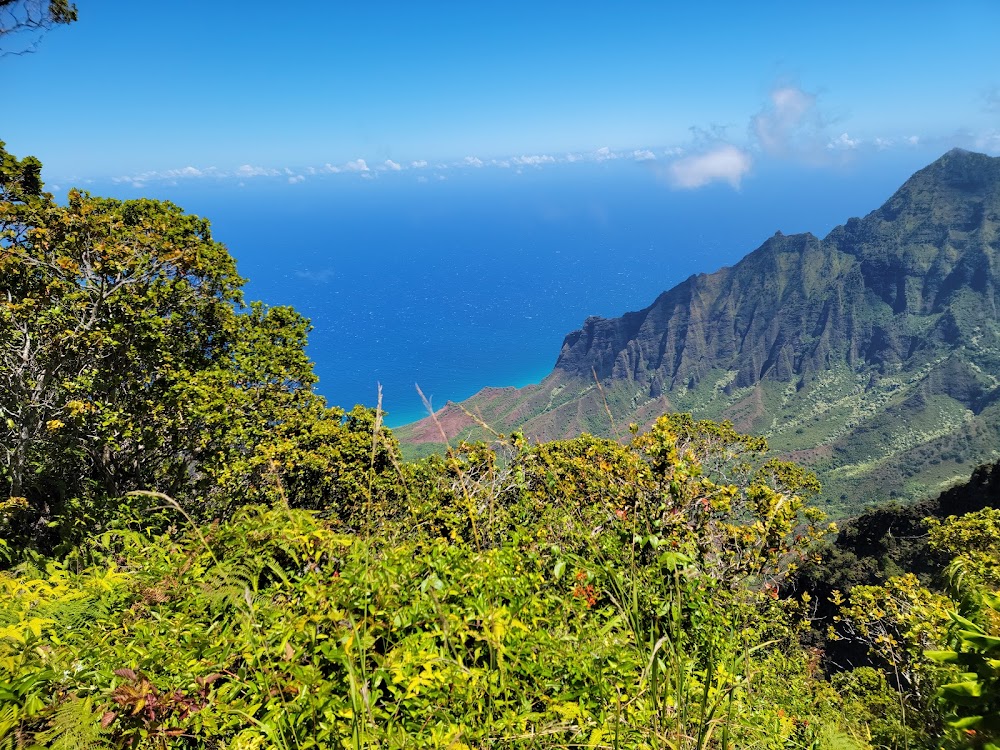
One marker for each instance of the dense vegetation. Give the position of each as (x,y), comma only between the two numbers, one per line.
(198,552)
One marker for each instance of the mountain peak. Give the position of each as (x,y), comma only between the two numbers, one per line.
(969,170)
(956,192)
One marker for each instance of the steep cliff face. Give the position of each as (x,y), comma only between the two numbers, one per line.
(759,318)
(874,291)
(872,354)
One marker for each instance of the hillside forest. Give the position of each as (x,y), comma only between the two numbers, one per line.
(198,551)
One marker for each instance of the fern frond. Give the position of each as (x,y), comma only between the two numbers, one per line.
(76,725)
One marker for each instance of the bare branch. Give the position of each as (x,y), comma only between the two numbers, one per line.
(24,22)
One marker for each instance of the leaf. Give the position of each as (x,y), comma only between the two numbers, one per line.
(595,738)
(35,625)
(943,657)
(962,693)
(967,624)
(966,722)
(984,642)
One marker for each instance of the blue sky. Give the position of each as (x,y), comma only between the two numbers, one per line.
(496,171)
(147,92)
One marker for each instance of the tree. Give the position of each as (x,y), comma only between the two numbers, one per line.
(128,362)
(27,20)
(110,308)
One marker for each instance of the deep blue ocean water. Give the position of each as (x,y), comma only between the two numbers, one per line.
(474,280)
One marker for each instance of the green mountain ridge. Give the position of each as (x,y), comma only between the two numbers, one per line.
(871,355)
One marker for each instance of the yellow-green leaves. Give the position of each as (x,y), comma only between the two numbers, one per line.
(973,700)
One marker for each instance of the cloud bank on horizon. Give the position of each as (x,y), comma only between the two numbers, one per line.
(425,85)
(790,126)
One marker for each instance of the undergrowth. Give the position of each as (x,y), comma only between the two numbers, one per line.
(584,593)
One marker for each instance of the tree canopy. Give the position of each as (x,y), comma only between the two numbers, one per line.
(129,362)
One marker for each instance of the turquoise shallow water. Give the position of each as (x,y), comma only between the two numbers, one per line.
(474,280)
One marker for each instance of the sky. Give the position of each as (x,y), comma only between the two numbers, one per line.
(447,188)
(710,92)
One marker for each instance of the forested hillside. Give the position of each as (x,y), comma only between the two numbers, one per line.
(197,552)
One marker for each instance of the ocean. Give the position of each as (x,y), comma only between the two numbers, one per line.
(473,280)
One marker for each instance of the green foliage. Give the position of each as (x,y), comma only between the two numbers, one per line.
(971,542)
(973,699)
(897,622)
(902,623)
(277,631)
(558,594)
(129,363)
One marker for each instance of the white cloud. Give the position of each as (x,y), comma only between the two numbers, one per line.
(473,161)
(604,154)
(171,175)
(418,164)
(643,155)
(913,140)
(295,179)
(883,144)
(328,167)
(248,170)
(789,124)
(358,165)
(392,166)
(843,142)
(724,163)
(574,158)
(533,161)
